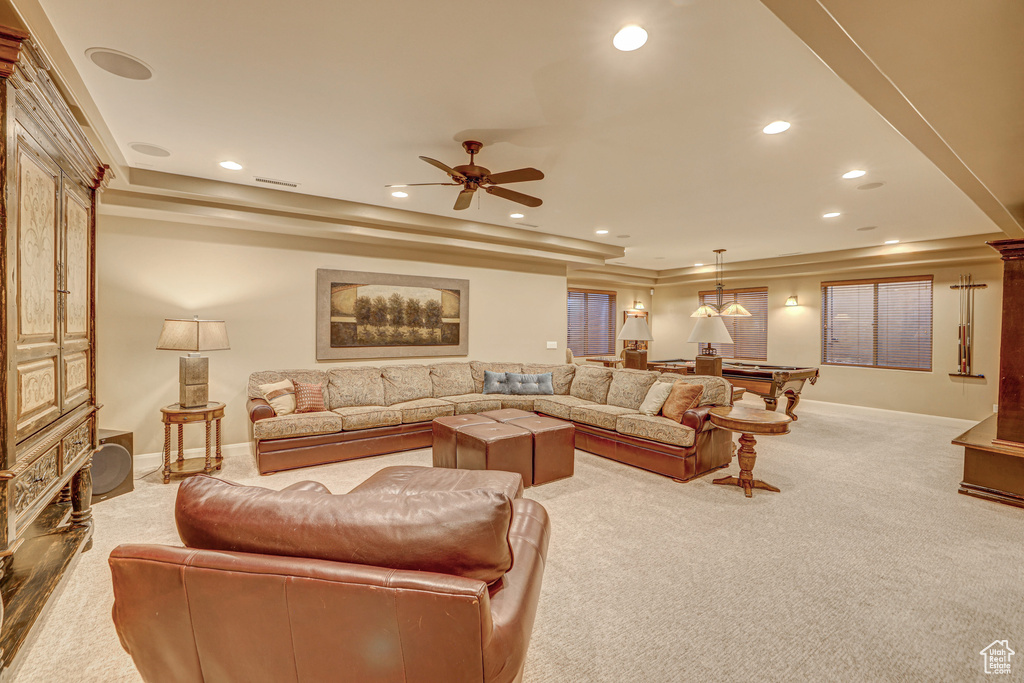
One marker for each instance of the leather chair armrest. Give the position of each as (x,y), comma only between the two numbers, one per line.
(313,486)
(259,409)
(697,418)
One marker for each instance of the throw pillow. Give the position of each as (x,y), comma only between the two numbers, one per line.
(656,397)
(309,398)
(530,385)
(495,382)
(682,397)
(280,396)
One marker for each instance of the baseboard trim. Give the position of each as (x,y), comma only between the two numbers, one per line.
(147,463)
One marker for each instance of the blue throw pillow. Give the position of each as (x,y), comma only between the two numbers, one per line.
(495,383)
(529,385)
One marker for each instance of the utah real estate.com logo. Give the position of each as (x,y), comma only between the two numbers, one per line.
(997,657)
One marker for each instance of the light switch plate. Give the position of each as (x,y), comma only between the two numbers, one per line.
(553,345)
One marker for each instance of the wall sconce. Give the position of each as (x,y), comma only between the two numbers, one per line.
(638,305)
(791,301)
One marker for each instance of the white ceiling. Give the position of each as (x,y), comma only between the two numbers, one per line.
(663,144)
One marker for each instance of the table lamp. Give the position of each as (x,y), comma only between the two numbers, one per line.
(193,370)
(635,330)
(709,331)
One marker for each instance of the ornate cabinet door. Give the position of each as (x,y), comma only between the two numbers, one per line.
(76,293)
(35,217)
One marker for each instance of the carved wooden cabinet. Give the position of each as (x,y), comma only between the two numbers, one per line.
(49,176)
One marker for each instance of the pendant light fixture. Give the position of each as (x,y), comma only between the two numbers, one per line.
(730,310)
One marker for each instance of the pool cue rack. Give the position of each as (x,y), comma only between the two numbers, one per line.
(965,328)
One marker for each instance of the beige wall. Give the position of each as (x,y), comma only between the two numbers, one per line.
(794,338)
(263,285)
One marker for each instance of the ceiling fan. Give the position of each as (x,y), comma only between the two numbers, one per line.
(472,177)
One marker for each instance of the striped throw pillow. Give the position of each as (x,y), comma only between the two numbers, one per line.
(280,396)
(309,398)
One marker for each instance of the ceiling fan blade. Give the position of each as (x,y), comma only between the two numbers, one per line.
(421,184)
(446,169)
(514,196)
(464,200)
(517,176)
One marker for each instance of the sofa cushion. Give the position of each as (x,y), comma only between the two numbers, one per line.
(464,533)
(297,424)
(496,382)
(478,368)
(368,417)
(404,383)
(355,387)
(561,375)
(683,397)
(558,406)
(602,416)
(520,402)
(655,428)
(470,404)
(522,384)
(423,409)
(717,390)
(629,387)
(451,379)
(656,397)
(280,396)
(271,376)
(591,383)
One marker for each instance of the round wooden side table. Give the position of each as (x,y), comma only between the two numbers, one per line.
(748,422)
(209,414)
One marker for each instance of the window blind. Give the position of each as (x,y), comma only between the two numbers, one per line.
(591,322)
(749,335)
(884,323)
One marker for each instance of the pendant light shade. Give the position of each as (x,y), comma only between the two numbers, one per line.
(734,310)
(704,311)
(731,310)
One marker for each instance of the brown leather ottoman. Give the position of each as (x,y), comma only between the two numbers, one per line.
(444,436)
(506,414)
(414,479)
(495,446)
(554,447)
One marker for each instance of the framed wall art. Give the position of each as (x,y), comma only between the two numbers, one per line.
(380,315)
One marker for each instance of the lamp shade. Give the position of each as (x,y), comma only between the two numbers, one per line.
(704,311)
(193,335)
(635,329)
(710,331)
(733,310)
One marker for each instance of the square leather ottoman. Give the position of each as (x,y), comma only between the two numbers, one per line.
(506,414)
(414,479)
(554,447)
(444,436)
(495,446)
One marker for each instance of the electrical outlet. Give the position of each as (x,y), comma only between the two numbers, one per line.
(553,345)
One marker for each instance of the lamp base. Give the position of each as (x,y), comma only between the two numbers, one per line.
(708,365)
(636,359)
(194,378)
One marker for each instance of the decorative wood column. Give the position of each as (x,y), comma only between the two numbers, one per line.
(994,449)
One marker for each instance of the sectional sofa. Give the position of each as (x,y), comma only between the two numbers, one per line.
(377,410)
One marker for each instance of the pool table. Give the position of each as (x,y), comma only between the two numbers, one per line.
(767,381)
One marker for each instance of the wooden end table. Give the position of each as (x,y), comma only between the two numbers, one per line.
(175,414)
(748,422)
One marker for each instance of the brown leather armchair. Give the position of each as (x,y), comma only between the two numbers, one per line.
(261,594)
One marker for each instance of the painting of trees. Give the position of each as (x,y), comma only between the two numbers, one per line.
(392,315)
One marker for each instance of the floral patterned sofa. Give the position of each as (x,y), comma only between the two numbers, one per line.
(376,410)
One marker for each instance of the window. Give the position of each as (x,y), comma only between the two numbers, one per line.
(883,323)
(749,335)
(591,322)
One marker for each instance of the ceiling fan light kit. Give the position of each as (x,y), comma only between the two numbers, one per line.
(472,178)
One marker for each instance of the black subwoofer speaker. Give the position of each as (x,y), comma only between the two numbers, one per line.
(112,465)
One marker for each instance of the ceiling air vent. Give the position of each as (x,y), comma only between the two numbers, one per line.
(271,181)
(528,225)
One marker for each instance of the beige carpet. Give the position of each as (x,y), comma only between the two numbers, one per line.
(868,566)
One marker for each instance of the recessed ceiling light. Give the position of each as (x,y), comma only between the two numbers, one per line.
(870,186)
(601,232)
(231,165)
(776,127)
(119,63)
(400,195)
(149,150)
(629,38)
(698,265)
(830,214)
(515,215)
(892,241)
(854,174)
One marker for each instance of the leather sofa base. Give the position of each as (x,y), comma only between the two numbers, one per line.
(711,451)
(276,455)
